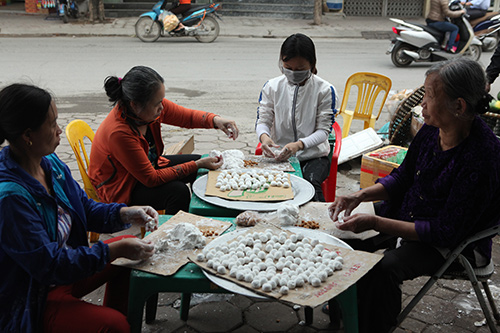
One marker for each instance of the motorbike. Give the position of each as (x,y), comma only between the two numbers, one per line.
(421,43)
(200,22)
(487,29)
(67,8)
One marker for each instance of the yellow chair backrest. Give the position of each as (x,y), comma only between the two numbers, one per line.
(369,86)
(76,131)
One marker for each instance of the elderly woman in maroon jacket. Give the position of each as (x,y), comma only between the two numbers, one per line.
(447,188)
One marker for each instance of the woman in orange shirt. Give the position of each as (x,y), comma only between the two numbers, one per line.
(126,162)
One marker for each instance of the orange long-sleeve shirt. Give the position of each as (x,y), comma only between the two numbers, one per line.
(119,155)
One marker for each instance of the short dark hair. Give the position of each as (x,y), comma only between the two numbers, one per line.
(463,78)
(299,45)
(138,85)
(22,107)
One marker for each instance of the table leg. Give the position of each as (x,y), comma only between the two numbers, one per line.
(136,301)
(308,311)
(151,305)
(349,304)
(185,300)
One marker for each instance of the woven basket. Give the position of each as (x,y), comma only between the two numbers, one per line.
(492,119)
(399,129)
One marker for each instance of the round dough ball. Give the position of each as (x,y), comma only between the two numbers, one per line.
(299,281)
(256,284)
(315,281)
(221,269)
(200,257)
(284,290)
(240,276)
(267,287)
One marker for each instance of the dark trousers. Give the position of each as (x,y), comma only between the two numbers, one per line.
(475,13)
(379,291)
(172,196)
(315,171)
(180,9)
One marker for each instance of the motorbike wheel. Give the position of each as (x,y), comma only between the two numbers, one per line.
(473,53)
(399,59)
(147,30)
(75,11)
(208,31)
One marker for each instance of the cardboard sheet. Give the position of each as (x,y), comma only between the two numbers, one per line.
(269,163)
(169,261)
(273,193)
(356,264)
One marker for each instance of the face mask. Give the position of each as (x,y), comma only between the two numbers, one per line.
(296,77)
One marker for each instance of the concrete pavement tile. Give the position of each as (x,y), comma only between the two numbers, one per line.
(245,329)
(205,138)
(167,299)
(215,317)
(440,328)
(167,320)
(185,329)
(321,321)
(411,325)
(435,311)
(206,147)
(234,145)
(271,317)
(305,329)
(468,319)
(241,301)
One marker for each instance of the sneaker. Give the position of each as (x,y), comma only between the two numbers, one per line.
(453,49)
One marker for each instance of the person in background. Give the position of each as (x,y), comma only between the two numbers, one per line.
(46,260)
(126,162)
(437,19)
(476,8)
(493,68)
(446,189)
(178,8)
(296,112)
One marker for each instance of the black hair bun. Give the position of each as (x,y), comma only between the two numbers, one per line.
(483,105)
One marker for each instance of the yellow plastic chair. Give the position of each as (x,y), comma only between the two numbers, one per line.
(369,85)
(76,131)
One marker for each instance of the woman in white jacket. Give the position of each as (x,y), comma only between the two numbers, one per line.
(297,111)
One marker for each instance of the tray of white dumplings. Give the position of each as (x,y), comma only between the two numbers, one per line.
(293,264)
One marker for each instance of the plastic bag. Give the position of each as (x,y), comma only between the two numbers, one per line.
(249,219)
(170,21)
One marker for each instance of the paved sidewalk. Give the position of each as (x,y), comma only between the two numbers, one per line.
(15,22)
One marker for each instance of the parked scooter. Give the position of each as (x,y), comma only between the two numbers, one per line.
(487,29)
(200,22)
(67,8)
(421,43)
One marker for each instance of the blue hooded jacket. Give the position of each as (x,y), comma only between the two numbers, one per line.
(30,258)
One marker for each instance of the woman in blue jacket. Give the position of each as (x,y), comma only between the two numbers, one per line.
(45,258)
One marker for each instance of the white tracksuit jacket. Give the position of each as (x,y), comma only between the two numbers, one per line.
(289,112)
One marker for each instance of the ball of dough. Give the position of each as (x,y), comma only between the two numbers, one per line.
(315,282)
(267,287)
(284,290)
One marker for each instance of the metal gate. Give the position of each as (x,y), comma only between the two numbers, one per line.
(398,8)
